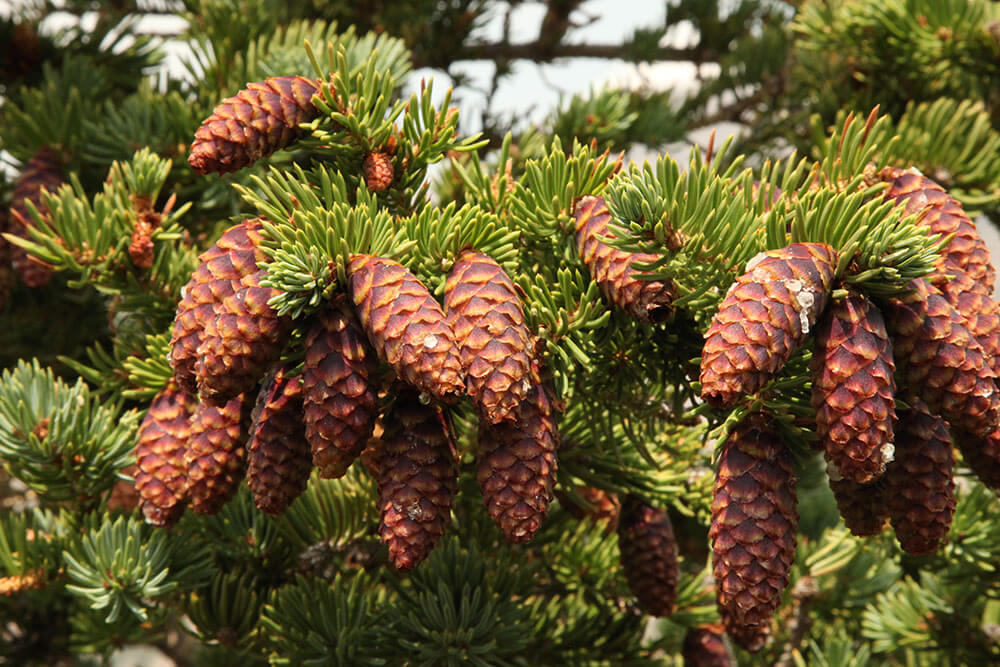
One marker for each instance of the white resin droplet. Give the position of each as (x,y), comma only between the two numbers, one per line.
(430,342)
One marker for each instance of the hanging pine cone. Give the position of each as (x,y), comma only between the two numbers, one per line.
(982,455)
(42,172)
(339,399)
(604,506)
(648,556)
(517,466)
(920,487)
(244,338)
(753,529)
(763,319)
(705,646)
(853,389)
(417,480)
(378,171)
(215,454)
(941,361)
(611,268)
(161,475)
(487,317)
(279,459)
(218,275)
(406,326)
(259,120)
(864,507)
(981,314)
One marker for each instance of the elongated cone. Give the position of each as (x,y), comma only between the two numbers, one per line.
(517,466)
(982,455)
(417,480)
(980,312)
(339,400)
(853,388)
(941,361)
(604,506)
(943,214)
(612,269)
(279,459)
(257,121)
(705,646)
(863,507)
(648,556)
(377,167)
(764,318)
(215,454)
(920,487)
(42,172)
(753,529)
(220,270)
(244,338)
(161,474)
(406,326)
(487,317)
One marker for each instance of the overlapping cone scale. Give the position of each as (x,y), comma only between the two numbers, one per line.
(940,360)
(648,556)
(406,326)
(161,472)
(494,343)
(215,454)
(920,486)
(705,646)
(764,317)
(257,121)
(753,529)
(613,270)
(517,466)
(853,388)
(982,455)
(43,172)
(220,270)
(863,507)
(279,459)
(980,312)
(339,400)
(417,480)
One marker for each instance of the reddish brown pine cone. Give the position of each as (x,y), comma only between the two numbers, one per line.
(942,214)
(611,268)
(648,556)
(920,487)
(124,496)
(487,317)
(753,529)
(259,120)
(982,455)
(220,270)
(378,171)
(417,481)
(853,389)
(765,316)
(215,454)
(339,399)
(941,361)
(517,466)
(279,459)
(43,172)
(863,507)
(244,338)
(406,326)
(604,506)
(706,647)
(980,312)
(161,476)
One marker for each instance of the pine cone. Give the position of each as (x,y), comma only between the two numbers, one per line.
(487,318)
(982,455)
(765,316)
(218,276)
(259,120)
(417,481)
(920,487)
(124,496)
(864,507)
(406,326)
(215,454)
(279,460)
(42,172)
(648,556)
(161,477)
(378,171)
(517,466)
(706,647)
(853,389)
(604,506)
(753,529)
(611,268)
(941,361)
(339,399)
(981,314)
(244,338)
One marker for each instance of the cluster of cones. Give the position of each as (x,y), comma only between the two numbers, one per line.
(886,461)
